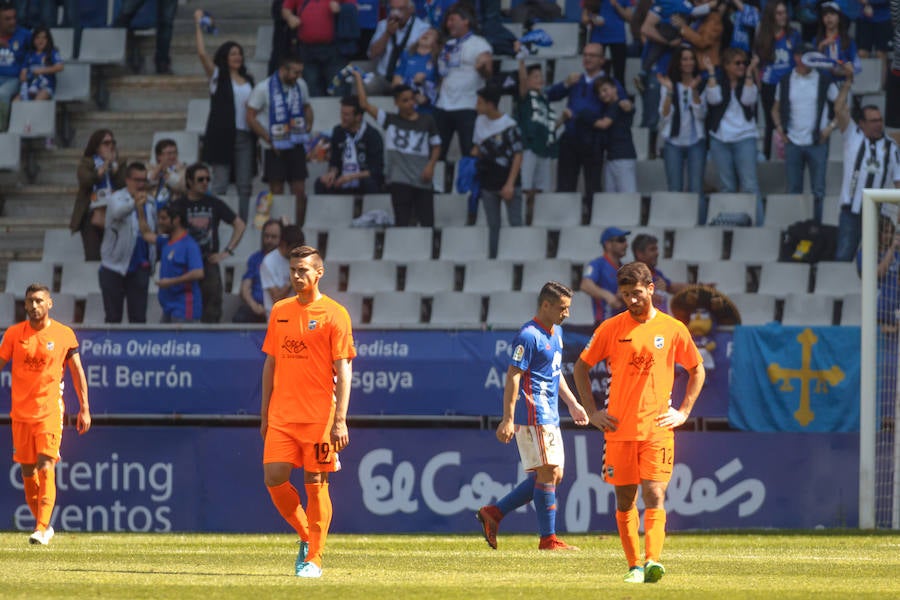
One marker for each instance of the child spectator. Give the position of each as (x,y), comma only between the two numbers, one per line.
(833,40)
(497,146)
(537,121)
(620,167)
(42,63)
(418,70)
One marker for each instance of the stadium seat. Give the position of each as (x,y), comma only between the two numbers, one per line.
(103,46)
(851,311)
(188,145)
(349,244)
(73,83)
(831,210)
(455,310)
(675,270)
(451,210)
(7,308)
(263,43)
(755,309)
(579,244)
(834,174)
(368,277)
(535,274)
(781,279)
(230,305)
(326,113)
(484,277)
(622,210)
(396,309)
(565,66)
(80,278)
(755,245)
(352,302)
(284,207)
(377,202)
(250,243)
(430,277)
(64,40)
(34,119)
(868,81)
(721,203)
(673,209)
(10,152)
(197,115)
(581,311)
(783,210)
(510,310)
(698,244)
(770,175)
(565,40)
(324,212)
(407,244)
(521,244)
(557,209)
(808,309)
(463,244)
(64,307)
(651,177)
(728,277)
(61,245)
(876,100)
(21,274)
(837,278)
(330,284)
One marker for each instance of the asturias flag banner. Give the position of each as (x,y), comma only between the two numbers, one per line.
(795,379)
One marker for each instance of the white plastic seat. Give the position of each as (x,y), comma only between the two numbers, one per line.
(729,277)
(73,83)
(621,210)
(651,175)
(348,244)
(263,43)
(369,277)
(455,309)
(284,207)
(188,145)
(783,210)
(21,274)
(463,244)
(565,66)
(93,308)
(451,210)
(868,81)
(7,308)
(250,243)
(673,209)
(755,309)
(430,277)
(851,312)
(103,45)
(33,119)
(484,277)
(64,40)
(352,302)
(581,311)
(407,244)
(781,279)
(63,307)
(536,274)
(579,244)
(731,203)
(80,278)
(698,244)
(510,310)
(756,245)
(390,309)
(837,278)
(61,245)
(808,309)
(10,152)
(377,202)
(675,270)
(520,244)
(562,209)
(565,39)
(326,111)
(324,212)
(197,115)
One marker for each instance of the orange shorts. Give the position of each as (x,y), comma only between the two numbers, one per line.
(630,462)
(306,446)
(32,439)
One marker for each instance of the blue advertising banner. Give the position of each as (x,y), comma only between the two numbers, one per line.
(395,373)
(162,479)
(795,379)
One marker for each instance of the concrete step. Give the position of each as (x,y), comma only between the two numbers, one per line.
(136,93)
(8,224)
(48,203)
(25,244)
(184,54)
(133,130)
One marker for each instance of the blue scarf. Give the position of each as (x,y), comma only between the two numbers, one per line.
(451,57)
(101,191)
(287,127)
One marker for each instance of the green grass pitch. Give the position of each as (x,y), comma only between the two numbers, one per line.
(729,565)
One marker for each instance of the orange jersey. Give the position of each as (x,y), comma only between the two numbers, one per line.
(641,358)
(305,340)
(38,359)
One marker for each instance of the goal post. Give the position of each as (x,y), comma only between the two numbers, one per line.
(879,439)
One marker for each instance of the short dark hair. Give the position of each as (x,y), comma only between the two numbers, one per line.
(176,209)
(634,273)
(5,6)
(399,89)
(353,102)
(868,107)
(304,251)
(491,93)
(642,241)
(34,287)
(135,166)
(162,144)
(290,59)
(292,236)
(532,68)
(601,81)
(192,171)
(553,291)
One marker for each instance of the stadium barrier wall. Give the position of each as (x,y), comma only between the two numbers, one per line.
(181,479)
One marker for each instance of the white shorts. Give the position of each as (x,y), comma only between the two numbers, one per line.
(540,445)
(535,172)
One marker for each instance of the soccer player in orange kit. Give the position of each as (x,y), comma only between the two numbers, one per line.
(305,395)
(642,346)
(39,349)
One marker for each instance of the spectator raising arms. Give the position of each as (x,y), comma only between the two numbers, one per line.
(166,179)
(775,46)
(229,146)
(744,21)
(98,176)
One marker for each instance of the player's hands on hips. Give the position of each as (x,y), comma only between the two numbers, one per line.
(506,430)
(340,437)
(673,418)
(604,421)
(578,413)
(83,423)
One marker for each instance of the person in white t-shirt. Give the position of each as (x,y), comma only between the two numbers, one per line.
(275,270)
(465,64)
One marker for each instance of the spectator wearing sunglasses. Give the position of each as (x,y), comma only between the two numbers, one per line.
(599,280)
(204,213)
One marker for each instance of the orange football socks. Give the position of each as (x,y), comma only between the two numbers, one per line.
(287,501)
(654,532)
(46,496)
(319,519)
(32,489)
(628,533)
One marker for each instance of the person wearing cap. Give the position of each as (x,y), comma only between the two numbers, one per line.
(599,278)
(833,40)
(803,115)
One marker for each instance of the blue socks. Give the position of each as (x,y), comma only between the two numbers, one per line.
(519,496)
(545,507)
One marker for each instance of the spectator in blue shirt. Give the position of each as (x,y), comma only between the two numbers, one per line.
(42,63)
(599,280)
(833,40)
(874,29)
(775,44)
(253,309)
(14,44)
(606,22)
